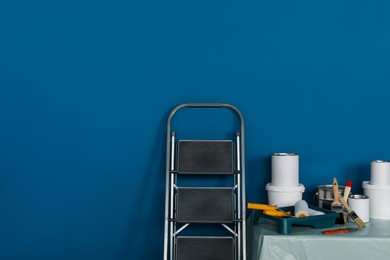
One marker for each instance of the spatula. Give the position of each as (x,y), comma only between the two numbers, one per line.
(336,204)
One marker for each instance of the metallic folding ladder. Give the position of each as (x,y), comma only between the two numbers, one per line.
(222,206)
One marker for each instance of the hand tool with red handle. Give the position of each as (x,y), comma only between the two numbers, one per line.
(340,230)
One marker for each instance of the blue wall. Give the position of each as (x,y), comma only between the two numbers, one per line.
(86,87)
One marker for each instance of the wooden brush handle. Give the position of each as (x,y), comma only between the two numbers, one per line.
(335,191)
(345,204)
(347,190)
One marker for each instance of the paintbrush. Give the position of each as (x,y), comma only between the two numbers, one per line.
(347,190)
(336,205)
(352,213)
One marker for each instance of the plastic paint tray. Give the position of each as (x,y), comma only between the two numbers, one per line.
(284,224)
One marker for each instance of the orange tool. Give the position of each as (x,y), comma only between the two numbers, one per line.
(340,230)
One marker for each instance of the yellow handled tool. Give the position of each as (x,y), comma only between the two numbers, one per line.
(261,206)
(276,213)
(271,210)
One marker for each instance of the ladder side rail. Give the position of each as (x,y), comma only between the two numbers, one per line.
(168,225)
(238,176)
(243,191)
(172,188)
(167,194)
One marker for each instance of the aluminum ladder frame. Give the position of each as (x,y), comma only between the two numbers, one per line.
(170,231)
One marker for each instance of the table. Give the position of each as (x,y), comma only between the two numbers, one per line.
(263,242)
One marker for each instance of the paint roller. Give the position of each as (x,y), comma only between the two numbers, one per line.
(301,209)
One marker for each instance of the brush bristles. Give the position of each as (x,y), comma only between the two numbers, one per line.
(338,208)
(357,220)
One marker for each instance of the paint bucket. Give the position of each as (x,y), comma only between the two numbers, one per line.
(361,205)
(285,169)
(379,200)
(380,173)
(284,196)
(324,195)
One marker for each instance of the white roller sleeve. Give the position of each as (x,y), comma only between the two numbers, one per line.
(301,209)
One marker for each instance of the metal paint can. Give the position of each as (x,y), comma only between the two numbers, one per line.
(324,195)
(285,169)
(361,205)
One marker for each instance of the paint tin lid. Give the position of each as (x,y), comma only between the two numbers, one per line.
(271,187)
(358,196)
(285,154)
(380,161)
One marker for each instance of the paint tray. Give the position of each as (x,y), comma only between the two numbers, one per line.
(284,224)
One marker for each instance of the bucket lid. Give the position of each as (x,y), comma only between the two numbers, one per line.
(367,185)
(329,187)
(300,188)
(285,154)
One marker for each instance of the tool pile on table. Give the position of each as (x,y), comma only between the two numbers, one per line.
(285,197)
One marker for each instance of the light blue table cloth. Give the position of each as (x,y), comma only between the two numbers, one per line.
(264,242)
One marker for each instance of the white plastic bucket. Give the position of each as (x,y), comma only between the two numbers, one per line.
(379,200)
(285,169)
(284,196)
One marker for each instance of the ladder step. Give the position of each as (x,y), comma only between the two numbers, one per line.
(205,248)
(205,205)
(205,157)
